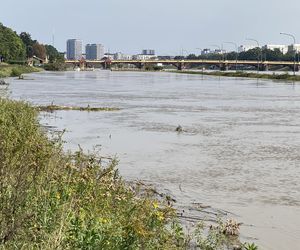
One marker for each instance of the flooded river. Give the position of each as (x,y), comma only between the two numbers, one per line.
(239,150)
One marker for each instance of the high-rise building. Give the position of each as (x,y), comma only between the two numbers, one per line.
(94,51)
(74,49)
(149,52)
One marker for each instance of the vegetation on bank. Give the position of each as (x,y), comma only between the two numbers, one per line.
(287,77)
(16,48)
(55,200)
(52,200)
(8,70)
(252,55)
(52,107)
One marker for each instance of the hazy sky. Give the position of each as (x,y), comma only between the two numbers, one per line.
(164,25)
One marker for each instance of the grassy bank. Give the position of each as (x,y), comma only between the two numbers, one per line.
(242,74)
(7,70)
(55,200)
(49,199)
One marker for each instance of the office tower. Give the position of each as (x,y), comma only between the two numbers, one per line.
(94,51)
(74,49)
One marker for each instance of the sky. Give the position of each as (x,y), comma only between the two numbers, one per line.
(168,26)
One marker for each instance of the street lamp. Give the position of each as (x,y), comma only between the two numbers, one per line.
(295,51)
(236,55)
(254,40)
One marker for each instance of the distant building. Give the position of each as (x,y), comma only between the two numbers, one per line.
(149,52)
(121,56)
(74,49)
(294,47)
(282,48)
(94,51)
(244,48)
(109,56)
(144,57)
(205,51)
(219,51)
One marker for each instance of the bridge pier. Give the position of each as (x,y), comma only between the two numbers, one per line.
(224,67)
(264,67)
(180,66)
(140,66)
(82,65)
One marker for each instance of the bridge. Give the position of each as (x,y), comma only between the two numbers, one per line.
(182,64)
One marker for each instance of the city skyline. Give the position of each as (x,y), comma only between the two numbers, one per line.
(167,27)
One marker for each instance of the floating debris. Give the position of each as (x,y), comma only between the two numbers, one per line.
(51,108)
(179,129)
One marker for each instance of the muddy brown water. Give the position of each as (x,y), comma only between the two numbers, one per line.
(239,150)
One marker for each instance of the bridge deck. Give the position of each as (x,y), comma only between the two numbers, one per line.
(244,62)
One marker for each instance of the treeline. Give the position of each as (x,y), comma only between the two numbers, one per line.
(253,54)
(18,48)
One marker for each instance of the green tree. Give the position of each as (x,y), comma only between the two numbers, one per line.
(11,46)
(28,42)
(53,54)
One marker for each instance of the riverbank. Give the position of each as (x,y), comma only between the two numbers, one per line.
(14,70)
(242,74)
(69,200)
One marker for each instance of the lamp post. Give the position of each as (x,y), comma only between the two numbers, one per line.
(236,51)
(254,40)
(295,51)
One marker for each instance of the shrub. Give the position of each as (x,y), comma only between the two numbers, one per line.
(50,199)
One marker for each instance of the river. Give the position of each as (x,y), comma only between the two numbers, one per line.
(239,150)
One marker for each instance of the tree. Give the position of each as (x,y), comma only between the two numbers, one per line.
(26,38)
(53,54)
(11,46)
(39,50)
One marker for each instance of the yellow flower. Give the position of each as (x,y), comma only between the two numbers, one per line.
(160,215)
(103,221)
(155,204)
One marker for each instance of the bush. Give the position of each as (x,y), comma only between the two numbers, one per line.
(56,66)
(49,199)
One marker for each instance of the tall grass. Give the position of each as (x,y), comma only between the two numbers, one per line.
(53,200)
(7,70)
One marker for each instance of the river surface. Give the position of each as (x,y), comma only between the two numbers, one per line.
(239,150)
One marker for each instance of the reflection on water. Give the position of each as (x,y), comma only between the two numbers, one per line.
(239,150)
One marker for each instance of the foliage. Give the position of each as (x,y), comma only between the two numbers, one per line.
(15,70)
(248,246)
(220,237)
(11,46)
(49,199)
(55,66)
(28,42)
(39,50)
(53,54)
